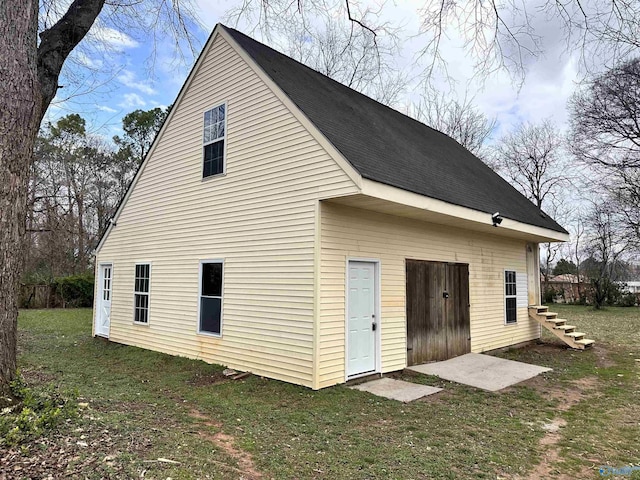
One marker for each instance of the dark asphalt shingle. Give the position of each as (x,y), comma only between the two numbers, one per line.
(388,147)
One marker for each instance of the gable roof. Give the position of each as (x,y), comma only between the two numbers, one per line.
(389,147)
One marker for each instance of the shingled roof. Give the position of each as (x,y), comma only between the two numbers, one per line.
(388,147)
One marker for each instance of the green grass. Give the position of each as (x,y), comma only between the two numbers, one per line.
(145,402)
(615,325)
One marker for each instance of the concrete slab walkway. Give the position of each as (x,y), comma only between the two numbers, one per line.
(396,389)
(481,371)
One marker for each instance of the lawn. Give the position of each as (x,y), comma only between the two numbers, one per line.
(147,415)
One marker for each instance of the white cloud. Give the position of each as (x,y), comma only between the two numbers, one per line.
(85,60)
(132,100)
(104,108)
(211,13)
(128,78)
(112,37)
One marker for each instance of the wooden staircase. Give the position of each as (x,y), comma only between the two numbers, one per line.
(559,327)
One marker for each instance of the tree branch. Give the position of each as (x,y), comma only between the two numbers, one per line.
(57,43)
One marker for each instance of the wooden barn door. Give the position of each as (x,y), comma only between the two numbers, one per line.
(438,323)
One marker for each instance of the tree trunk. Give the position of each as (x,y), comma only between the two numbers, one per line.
(81,233)
(28,83)
(20,114)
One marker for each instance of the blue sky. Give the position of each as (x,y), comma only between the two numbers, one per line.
(131,74)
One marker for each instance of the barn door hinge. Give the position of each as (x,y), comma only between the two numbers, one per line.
(373,326)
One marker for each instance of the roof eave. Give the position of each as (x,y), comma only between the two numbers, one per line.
(508,227)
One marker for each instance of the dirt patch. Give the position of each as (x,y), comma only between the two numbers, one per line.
(551,455)
(602,357)
(37,376)
(200,380)
(246,466)
(568,395)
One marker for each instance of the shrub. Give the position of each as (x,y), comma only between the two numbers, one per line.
(34,413)
(549,295)
(75,290)
(627,300)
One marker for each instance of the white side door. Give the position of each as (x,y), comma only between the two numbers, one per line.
(361,321)
(103,315)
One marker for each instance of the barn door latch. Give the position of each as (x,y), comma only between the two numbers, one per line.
(445,294)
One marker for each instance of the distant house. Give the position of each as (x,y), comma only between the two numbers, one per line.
(567,288)
(287,225)
(633,287)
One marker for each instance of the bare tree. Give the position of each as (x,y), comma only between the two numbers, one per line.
(606,245)
(461,120)
(559,209)
(36,40)
(497,35)
(577,252)
(532,158)
(356,57)
(605,134)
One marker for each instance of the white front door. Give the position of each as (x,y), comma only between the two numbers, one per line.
(361,320)
(103,315)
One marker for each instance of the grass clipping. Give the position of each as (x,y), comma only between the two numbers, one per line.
(34,412)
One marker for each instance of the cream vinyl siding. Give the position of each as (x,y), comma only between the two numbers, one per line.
(259,217)
(349,232)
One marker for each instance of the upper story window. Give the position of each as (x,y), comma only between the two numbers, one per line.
(214,135)
(510,294)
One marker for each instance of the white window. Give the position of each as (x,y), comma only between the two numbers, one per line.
(211,275)
(141,293)
(106,283)
(510,296)
(213,140)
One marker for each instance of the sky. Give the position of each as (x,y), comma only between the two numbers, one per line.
(131,74)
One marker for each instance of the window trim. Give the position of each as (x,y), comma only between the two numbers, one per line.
(201,263)
(515,297)
(148,294)
(223,138)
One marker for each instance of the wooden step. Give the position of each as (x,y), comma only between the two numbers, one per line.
(575,335)
(586,342)
(548,315)
(539,308)
(566,328)
(557,321)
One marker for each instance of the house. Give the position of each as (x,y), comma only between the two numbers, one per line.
(287,225)
(567,288)
(632,286)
